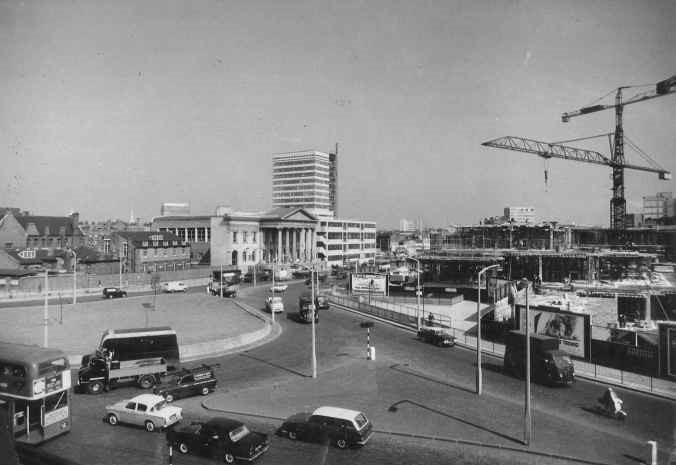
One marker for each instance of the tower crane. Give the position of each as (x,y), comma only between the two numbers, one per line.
(616,161)
(618,204)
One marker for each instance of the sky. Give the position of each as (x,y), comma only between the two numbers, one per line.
(109,107)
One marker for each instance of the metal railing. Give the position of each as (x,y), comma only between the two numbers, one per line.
(406,315)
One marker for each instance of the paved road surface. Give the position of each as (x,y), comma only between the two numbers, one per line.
(435,384)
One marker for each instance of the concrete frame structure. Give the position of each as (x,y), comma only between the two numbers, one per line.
(344,241)
(306,179)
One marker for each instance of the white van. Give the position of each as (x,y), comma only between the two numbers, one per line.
(173,286)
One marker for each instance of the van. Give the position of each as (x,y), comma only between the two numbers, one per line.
(548,364)
(174,286)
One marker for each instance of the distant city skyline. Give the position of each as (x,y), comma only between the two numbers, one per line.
(121,106)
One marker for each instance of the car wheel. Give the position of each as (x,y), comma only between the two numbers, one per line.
(169,398)
(292,435)
(110,296)
(146,382)
(341,443)
(95,387)
(204,391)
(150,426)
(112,419)
(229,458)
(183,448)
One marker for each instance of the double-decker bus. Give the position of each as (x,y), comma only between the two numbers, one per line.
(34,391)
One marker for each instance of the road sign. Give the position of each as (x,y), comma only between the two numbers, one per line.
(366,324)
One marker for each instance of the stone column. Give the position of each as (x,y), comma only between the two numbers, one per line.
(207,239)
(185,232)
(301,240)
(287,252)
(278,252)
(294,246)
(308,244)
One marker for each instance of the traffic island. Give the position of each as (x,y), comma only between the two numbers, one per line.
(206,326)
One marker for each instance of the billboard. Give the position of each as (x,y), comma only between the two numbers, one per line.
(572,329)
(368,282)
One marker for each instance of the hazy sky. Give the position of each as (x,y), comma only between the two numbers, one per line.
(109,106)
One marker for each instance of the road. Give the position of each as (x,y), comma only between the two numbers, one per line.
(431,387)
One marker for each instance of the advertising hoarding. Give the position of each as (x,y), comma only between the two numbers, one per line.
(363,283)
(572,329)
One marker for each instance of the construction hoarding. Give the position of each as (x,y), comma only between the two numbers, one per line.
(364,283)
(572,329)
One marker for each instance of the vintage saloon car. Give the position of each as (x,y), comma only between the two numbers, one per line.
(440,337)
(148,410)
(220,438)
(187,382)
(274,304)
(335,425)
(110,292)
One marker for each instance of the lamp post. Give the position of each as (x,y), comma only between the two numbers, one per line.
(478,327)
(74,276)
(312,318)
(417,292)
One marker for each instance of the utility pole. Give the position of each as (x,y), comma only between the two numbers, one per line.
(314,313)
(45,316)
(527,419)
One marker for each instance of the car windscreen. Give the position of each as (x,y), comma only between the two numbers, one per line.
(238,433)
(360,420)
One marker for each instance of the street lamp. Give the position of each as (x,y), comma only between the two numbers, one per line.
(417,292)
(74,276)
(478,327)
(312,318)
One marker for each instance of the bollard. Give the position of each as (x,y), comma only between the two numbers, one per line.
(372,353)
(653,452)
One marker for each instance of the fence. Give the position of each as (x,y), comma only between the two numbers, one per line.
(407,316)
(63,284)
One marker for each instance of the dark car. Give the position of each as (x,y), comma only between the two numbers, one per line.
(187,382)
(110,292)
(322,301)
(334,425)
(219,438)
(438,336)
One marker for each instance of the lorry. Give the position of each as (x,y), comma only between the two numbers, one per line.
(138,356)
(307,308)
(549,365)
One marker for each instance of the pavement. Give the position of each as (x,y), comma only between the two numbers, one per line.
(206,326)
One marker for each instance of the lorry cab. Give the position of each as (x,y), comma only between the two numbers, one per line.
(549,365)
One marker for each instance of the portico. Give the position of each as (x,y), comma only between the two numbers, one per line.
(289,236)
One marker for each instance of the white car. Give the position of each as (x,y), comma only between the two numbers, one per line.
(279,288)
(174,286)
(274,304)
(148,410)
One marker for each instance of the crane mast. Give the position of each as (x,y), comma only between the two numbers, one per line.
(618,204)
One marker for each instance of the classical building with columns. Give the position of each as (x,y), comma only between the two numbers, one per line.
(244,239)
(195,230)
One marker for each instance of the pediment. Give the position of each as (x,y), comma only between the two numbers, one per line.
(299,215)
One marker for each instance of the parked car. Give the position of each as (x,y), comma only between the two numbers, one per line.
(274,304)
(111,292)
(148,410)
(220,438)
(335,425)
(174,286)
(187,382)
(438,336)
(279,287)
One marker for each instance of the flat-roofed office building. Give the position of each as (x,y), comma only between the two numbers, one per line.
(307,180)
